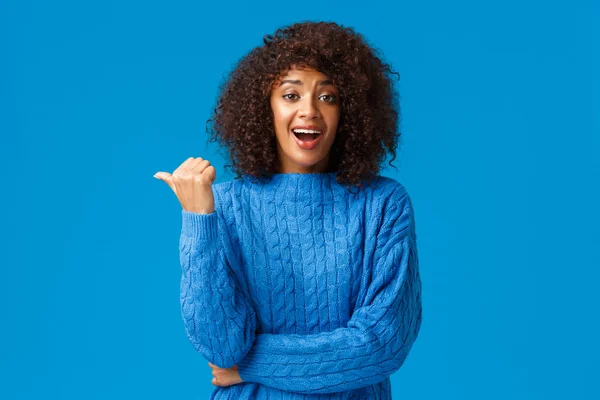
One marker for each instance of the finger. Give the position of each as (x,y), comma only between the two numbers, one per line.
(167,178)
(211,172)
(162,175)
(184,164)
(205,169)
(199,167)
(213,366)
(194,163)
(187,162)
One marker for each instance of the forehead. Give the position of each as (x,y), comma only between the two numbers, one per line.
(299,76)
(306,72)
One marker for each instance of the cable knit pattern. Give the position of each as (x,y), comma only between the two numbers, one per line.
(312,291)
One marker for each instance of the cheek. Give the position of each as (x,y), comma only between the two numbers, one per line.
(333,118)
(281,117)
(276,110)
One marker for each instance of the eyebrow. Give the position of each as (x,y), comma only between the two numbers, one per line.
(299,82)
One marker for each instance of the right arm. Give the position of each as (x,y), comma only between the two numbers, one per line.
(219,320)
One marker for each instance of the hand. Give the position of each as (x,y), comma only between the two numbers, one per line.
(225,376)
(192,184)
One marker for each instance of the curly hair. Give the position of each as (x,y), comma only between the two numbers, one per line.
(242,120)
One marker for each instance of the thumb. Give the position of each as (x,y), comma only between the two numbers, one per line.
(166,177)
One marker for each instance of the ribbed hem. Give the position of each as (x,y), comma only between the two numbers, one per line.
(200,227)
(246,372)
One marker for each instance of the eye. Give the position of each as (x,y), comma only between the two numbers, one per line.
(288,94)
(331,97)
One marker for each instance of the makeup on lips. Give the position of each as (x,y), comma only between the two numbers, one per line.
(307,137)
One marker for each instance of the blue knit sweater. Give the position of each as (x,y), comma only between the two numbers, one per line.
(312,290)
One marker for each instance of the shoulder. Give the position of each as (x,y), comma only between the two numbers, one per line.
(222,187)
(391,194)
(223,196)
(227,190)
(395,204)
(226,205)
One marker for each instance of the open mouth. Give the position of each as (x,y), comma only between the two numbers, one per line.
(306,135)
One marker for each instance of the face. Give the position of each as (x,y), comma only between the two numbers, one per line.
(304,99)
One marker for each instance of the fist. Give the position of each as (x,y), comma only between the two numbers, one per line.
(192,184)
(225,376)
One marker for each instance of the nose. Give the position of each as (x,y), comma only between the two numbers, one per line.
(308,108)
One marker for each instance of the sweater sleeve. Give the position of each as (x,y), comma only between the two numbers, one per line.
(376,340)
(219,320)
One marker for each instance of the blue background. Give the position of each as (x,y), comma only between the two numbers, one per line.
(500,155)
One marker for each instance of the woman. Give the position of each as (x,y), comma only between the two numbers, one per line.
(300,281)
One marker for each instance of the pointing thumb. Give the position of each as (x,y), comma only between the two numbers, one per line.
(166,177)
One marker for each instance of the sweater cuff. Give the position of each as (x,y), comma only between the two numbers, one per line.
(246,372)
(200,227)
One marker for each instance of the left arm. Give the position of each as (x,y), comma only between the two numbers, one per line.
(376,341)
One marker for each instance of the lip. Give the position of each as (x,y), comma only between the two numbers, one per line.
(306,145)
(311,127)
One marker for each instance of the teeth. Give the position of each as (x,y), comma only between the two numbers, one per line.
(306,131)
